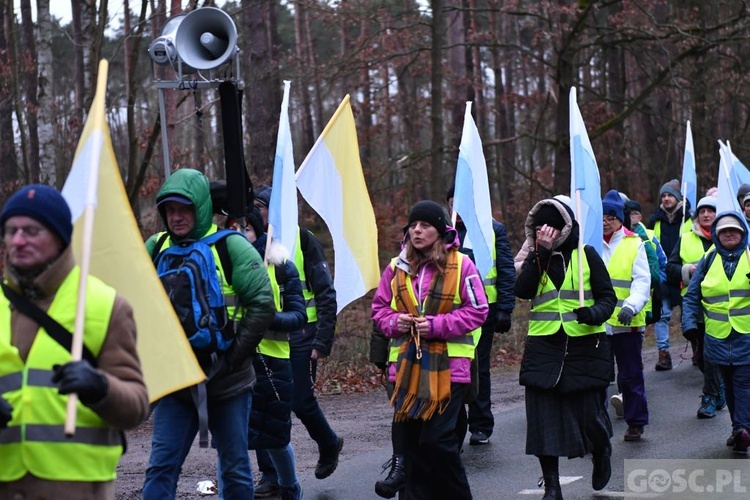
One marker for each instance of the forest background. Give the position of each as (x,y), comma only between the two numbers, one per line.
(642,69)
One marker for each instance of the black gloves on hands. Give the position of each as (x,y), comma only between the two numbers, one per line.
(383,366)
(585,316)
(503,322)
(5,413)
(625,316)
(80,377)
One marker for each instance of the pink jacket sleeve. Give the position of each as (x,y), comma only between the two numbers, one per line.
(472,313)
(385,317)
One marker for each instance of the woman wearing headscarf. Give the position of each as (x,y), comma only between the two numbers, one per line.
(431,303)
(567,362)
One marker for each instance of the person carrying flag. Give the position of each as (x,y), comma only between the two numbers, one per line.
(36,370)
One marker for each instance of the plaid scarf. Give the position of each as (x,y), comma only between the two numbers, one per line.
(424,385)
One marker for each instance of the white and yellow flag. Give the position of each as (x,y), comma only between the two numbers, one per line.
(119,257)
(332,182)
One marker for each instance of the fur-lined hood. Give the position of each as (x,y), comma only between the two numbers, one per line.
(571,225)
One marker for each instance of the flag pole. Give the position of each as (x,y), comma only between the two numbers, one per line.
(76,350)
(684,206)
(269,235)
(580,249)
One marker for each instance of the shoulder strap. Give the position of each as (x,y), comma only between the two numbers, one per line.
(159,244)
(226,261)
(54,329)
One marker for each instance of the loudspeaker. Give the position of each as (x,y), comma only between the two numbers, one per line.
(206,38)
(163,50)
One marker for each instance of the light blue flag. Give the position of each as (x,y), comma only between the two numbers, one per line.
(739,170)
(689,180)
(585,184)
(471,198)
(728,182)
(282,208)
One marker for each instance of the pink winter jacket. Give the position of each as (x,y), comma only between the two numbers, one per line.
(471,314)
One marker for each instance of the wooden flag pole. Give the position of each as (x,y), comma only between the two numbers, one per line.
(96,137)
(269,235)
(580,249)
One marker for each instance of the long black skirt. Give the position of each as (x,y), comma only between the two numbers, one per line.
(566,425)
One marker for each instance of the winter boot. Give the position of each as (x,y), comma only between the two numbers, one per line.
(552,490)
(291,492)
(707,408)
(396,479)
(602,470)
(665,361)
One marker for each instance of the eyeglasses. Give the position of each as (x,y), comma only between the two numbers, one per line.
(28,232)
(609,219)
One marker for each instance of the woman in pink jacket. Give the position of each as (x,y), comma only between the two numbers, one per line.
(429,302)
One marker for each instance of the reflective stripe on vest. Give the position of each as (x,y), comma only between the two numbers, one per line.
(620,269)
(458,347)
(551,309)
(34,442)
(726,304)
(299,261)
(691,251)
(490,281)
(274,343)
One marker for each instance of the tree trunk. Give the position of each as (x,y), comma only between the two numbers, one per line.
(31,83)
(9,169)
(15,70)
(436,174)
(46,76)
(308,138)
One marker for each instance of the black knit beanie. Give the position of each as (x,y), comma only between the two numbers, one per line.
(44,204)
(548,214)
(430,212)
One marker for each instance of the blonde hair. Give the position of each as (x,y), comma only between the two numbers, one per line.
(437,255)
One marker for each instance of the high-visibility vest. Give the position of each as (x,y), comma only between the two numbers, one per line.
(299,261)
(726,304)
(234,311)
(552,308)
(458,347)
(686,227)
(275,343)
(691,251)
(34,441)
(490,281)
(620,269)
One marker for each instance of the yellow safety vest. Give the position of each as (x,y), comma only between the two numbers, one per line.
(274,343)
(685,228)
(460,347)
(691,251)
(299,261)
(490,281)
(34,442)
(726,304)
(620,269)
(552,308)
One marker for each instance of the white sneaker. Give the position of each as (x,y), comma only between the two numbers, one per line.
(616,402)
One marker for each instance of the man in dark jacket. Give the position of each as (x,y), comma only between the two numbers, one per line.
(667,223)
(184,204)
(499,286)
(313,344)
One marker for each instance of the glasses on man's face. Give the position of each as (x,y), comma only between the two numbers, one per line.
(28,232)
(609,219)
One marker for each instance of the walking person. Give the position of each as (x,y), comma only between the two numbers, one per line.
(314,344)
(683,262)
(431,303)
(36,370)
(567,362)
(624,255)
(719,296)
(668,222)
(223,402)
(499,287)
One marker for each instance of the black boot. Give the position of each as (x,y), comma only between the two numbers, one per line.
(552,490)
(602,470)
(396,479)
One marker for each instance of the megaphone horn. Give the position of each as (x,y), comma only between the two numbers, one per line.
(206,38)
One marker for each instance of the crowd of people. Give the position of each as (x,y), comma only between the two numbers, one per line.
(434,321)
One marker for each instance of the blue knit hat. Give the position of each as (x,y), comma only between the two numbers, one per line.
(613,205)
(44,204)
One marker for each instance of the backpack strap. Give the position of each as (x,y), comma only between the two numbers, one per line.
(159,244)
(54,329)
(226,261)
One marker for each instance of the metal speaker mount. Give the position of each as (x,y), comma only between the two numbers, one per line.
(206,38)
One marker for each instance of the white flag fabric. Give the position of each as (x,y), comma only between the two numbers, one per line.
(689,179)
(727,182)
(282,208)
(471,198)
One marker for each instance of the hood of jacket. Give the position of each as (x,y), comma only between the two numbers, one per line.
(193,185)
(739,249)
(567,234)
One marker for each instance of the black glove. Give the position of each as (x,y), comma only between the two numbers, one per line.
(382,365)
(625,316)
(5,413)
(503,322)
(80,377)
(691,335)
(584,315)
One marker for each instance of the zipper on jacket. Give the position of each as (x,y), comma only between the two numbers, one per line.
(562,365)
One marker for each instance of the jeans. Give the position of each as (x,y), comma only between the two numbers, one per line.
(737,388)
(278,465)
(175,427)
(661,327)
(627,348)
(480,410)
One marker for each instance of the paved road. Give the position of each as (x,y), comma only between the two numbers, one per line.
(501,470)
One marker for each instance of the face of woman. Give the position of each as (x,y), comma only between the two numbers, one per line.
(422,235)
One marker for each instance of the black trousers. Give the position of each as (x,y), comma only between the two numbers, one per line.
(433,460)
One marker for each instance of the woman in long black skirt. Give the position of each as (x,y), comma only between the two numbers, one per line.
(566,364)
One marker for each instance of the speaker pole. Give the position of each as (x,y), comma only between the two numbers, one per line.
(164,137)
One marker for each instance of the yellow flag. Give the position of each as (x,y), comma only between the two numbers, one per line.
(119,257)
